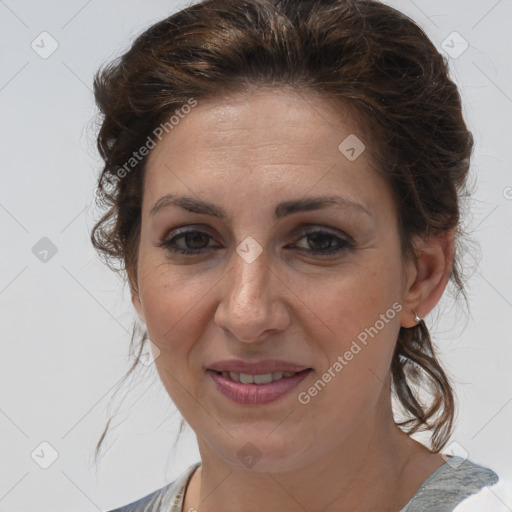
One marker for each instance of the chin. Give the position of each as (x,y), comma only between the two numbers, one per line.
(257,451)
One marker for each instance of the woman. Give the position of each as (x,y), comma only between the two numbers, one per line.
(283,184)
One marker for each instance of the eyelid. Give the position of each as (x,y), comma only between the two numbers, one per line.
(305,229)
(189,228)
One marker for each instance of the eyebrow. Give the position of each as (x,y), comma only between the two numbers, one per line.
(283,209)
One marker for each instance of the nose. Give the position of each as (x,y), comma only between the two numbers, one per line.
(251,306)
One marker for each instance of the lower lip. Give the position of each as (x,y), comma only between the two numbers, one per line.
(256,394)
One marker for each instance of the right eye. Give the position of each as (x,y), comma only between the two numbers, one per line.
(195,242)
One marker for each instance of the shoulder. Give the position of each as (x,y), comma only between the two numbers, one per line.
(449,485)
(167,498)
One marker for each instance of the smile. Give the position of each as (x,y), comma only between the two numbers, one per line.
(257,389)
(262,378)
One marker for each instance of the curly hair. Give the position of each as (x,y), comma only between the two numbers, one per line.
(360,53)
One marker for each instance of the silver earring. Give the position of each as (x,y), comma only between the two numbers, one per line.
(417,318)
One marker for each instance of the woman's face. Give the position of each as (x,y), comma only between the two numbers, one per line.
(269,277)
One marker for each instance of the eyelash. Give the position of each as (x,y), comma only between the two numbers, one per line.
(346,244)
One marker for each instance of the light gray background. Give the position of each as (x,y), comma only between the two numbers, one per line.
(66,323)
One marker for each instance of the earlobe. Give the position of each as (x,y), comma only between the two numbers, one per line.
(428,277)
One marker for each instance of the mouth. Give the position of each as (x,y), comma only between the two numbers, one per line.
(266,366)
(260,378)
(250,389)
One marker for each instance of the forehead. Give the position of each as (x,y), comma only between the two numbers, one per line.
(263,142)
(276,119)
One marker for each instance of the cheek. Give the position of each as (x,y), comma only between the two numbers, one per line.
(344,305)
(171,305)
(360,321)
(172,310)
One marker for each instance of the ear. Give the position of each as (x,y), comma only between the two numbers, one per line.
(428,276)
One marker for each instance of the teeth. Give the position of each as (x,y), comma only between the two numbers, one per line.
(245,378)
(263,378)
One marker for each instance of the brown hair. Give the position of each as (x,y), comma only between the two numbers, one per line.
(360,53)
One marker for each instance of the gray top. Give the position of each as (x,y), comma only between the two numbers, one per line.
(442,491)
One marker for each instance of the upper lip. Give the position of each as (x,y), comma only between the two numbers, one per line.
(266,366)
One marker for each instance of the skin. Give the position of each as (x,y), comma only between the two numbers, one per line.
(245,153)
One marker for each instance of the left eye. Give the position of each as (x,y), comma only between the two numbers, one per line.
(326,243)
(196,242)
(191,238)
